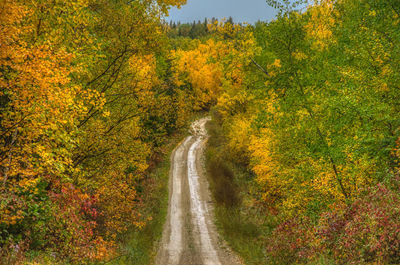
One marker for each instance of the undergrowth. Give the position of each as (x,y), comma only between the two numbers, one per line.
(242,223)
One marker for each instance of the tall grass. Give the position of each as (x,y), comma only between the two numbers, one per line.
(243,226)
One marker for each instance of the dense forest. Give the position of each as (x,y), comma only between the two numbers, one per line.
(305,143)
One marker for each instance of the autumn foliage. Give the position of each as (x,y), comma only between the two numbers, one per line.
(85,106)
(309,104)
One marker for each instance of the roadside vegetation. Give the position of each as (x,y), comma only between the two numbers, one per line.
(239,221)
(304,160)
(87,108)
(139,246)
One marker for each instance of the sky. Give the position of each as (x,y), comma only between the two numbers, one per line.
(240,10)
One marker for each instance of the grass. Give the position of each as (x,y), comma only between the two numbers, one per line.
(241,223)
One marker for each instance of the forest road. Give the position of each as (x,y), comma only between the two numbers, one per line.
(190,236)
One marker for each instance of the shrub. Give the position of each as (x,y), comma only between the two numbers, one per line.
(367,231)
(74,226)
(290,242)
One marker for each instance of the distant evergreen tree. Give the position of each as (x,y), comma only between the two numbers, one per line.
(193,30)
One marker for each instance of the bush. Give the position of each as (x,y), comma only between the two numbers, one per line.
(61,220)
(290,242)
(73,228)
(366,231)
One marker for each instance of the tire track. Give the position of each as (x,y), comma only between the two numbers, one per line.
(175,244)
(199,208)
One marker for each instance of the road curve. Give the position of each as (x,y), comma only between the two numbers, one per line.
(190,236)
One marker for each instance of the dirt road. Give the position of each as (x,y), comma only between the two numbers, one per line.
(190,236)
